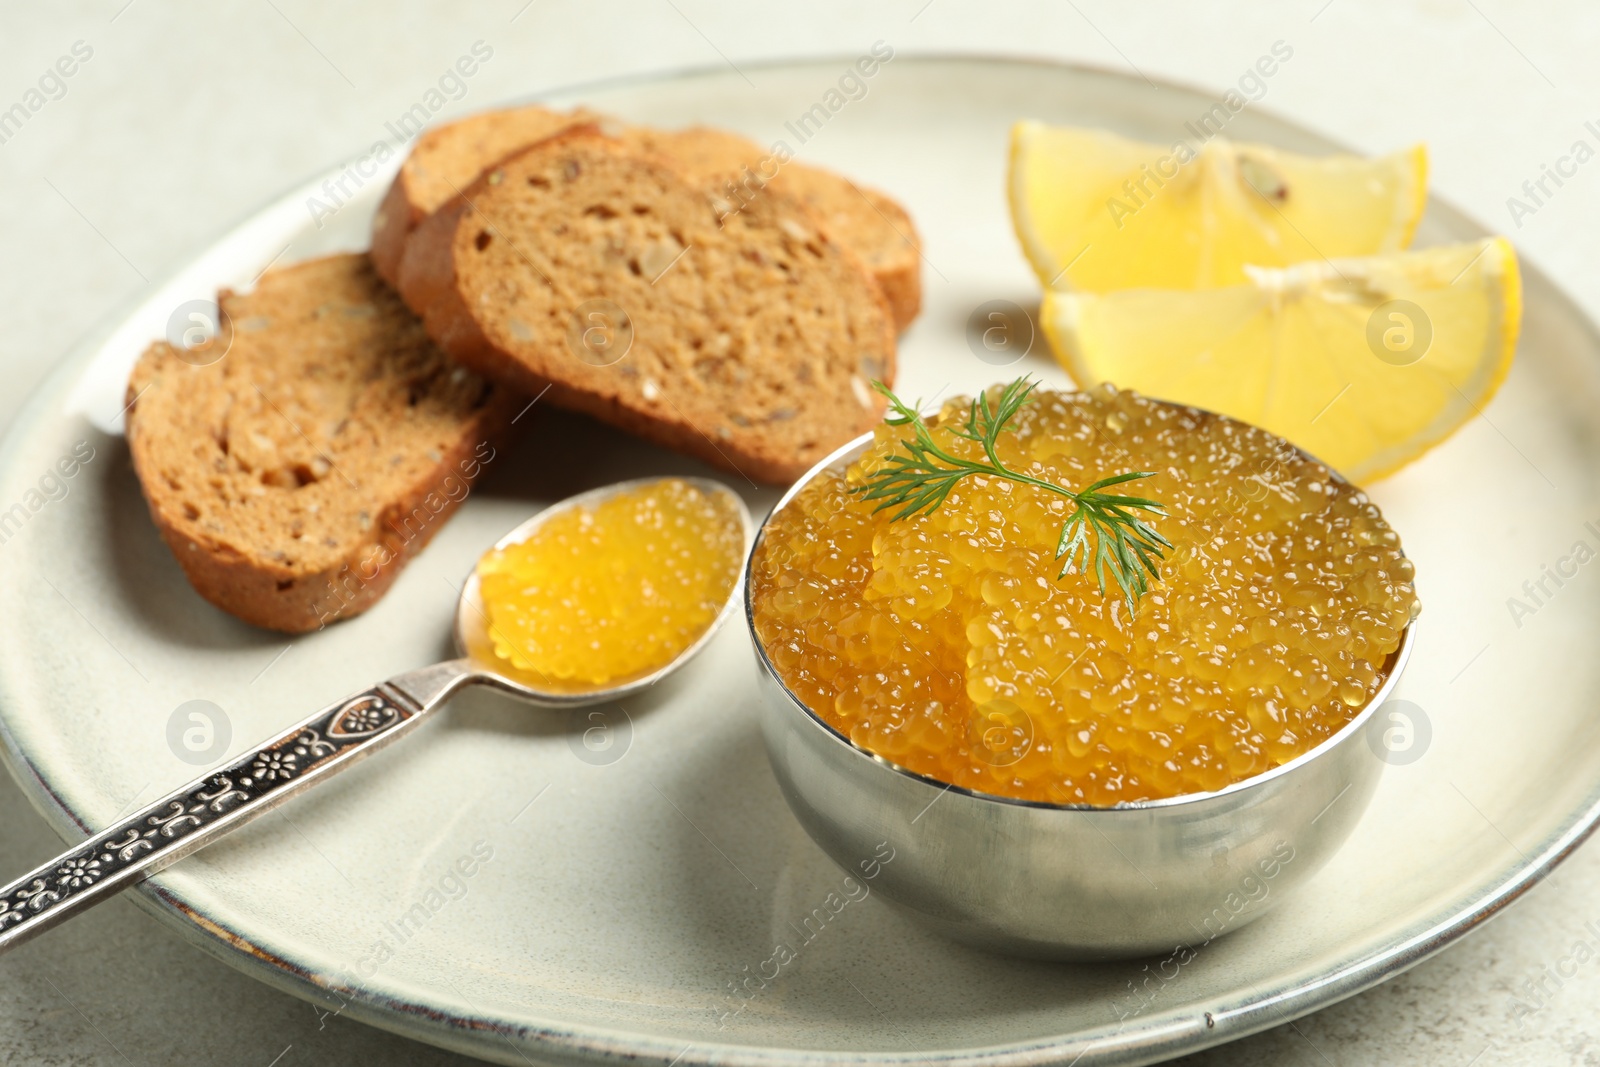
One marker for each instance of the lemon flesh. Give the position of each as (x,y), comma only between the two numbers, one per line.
(1096,212)
(1364,363)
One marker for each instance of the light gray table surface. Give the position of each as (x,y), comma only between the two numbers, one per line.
(188,115)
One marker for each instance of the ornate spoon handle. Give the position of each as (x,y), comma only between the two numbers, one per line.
(197,814)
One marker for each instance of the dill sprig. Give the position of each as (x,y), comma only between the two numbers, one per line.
(1103,527)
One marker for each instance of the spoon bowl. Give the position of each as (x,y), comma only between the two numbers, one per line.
(472,626)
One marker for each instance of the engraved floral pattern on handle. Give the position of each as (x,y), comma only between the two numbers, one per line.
(78,872)
(161,831)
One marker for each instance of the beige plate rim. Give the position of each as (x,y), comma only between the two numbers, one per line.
(1155,1036)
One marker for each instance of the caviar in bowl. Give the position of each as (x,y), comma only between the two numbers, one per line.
(1057,774)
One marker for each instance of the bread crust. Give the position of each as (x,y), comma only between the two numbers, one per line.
(432,287)
(901,280)
(397,217)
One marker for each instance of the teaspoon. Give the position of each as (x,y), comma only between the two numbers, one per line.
(193,816)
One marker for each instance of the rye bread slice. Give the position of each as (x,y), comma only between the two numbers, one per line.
(879,230)
(753,337)
(295,477)
(448,158)
(868,222)
(445,160)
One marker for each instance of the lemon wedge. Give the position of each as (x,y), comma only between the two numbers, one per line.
(1364,363)
(1097,212)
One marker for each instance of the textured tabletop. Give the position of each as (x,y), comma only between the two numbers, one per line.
(179,118)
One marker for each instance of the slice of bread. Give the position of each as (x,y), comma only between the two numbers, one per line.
(448,158)
(445,160)
(880,232)
(294,477)
(750,339)
(871,224)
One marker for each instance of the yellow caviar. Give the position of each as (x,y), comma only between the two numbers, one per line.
(606,593)
(946,644)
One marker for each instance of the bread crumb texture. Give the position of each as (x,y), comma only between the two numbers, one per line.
(753,335)
(331,440)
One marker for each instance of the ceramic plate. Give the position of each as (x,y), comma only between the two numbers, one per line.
(633,867)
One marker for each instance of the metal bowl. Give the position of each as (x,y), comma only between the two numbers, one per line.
(1065,881)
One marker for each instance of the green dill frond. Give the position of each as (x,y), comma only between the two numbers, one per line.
(1105,530)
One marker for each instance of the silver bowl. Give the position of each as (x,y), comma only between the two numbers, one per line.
(1065,881)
